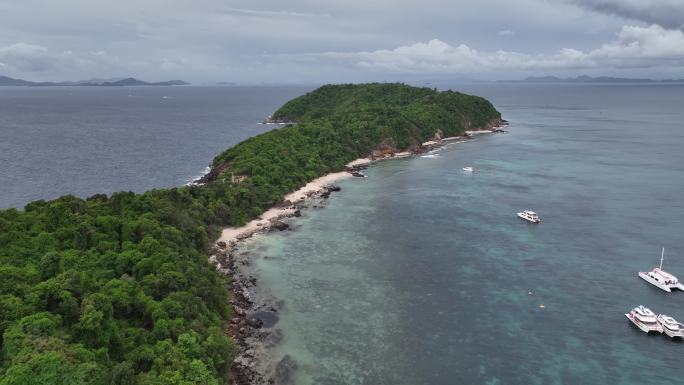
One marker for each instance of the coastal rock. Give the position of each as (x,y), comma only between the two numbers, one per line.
(245,295)
(334,188)
(272,120)
(439,135)
(280,225)
(273,338)
(268,318)
(256,323)
(297,213)
(386,148)
(222,245)
(284,374)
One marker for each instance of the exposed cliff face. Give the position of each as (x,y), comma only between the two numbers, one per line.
(439,134)
(493,124)
(387,146)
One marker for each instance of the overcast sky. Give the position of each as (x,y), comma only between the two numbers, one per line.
(341,40)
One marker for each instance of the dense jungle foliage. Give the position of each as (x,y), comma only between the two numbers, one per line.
(118,289)
(336,124)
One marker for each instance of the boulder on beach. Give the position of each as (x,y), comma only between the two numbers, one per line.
(280,225)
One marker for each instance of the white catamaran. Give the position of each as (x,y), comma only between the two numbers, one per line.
(661,279)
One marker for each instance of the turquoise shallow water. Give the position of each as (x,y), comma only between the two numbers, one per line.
(422,274)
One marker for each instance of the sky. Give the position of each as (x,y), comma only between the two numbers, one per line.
(309,41)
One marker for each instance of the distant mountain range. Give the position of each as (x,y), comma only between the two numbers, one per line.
(116,82)
(589,79)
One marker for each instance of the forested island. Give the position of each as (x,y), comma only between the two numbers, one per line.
(118,289)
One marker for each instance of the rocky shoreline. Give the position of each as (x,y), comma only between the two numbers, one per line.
(252,320)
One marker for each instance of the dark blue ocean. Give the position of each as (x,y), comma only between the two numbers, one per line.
(88,140)
(420,273)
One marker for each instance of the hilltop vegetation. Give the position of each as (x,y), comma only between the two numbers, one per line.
(339,123)
(118,290)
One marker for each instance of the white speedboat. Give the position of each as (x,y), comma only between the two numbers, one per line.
(660,278)
(468,169)
(529,216)
(644,319)
(671,327)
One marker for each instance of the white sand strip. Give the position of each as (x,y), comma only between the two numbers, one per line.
(315,186)
(359,162)
(479,132)
(231,235)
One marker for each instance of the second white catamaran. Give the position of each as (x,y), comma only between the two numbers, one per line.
(660,278)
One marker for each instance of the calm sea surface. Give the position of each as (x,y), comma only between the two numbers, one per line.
(88,140)
(422,274)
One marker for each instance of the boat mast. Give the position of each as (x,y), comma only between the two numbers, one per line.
(662,255)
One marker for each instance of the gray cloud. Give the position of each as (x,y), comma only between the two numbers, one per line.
(30,58)
(666,13)
(300,40)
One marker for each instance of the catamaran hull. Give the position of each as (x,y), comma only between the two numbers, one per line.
(667,288)
(653,282)
(673,334)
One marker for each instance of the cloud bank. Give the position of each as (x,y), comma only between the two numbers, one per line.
(635,47)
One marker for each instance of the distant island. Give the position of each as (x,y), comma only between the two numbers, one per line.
(8,81)
(589,79)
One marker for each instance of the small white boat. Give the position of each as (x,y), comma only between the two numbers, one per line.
(468,169)
(661,279)
(529,216)
(671,327)
(644,319)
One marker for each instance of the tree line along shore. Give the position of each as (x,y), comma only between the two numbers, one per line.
(119,290)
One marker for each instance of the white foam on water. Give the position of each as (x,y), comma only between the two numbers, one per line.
(192,180)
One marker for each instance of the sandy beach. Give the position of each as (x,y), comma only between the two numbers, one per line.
(231,235)
(478,132)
